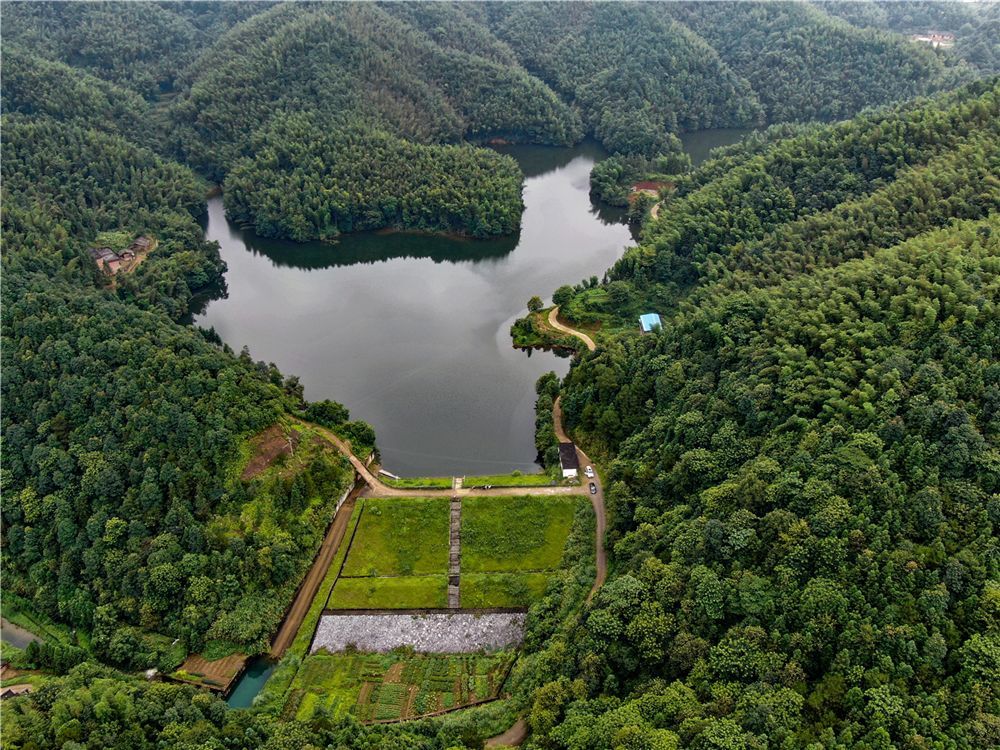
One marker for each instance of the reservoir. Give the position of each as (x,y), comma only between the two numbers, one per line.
(411,331)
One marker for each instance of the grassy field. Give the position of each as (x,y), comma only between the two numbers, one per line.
(417,483)
(400,592)
(512,534)
(392,686)
(400,537)
(510,548)
(510,480)
(502,589)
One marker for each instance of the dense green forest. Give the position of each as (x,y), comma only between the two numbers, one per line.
(120,427)
(802,465)
(796,58)
(281,193)
(805,459)
(35,86)
(636,75)
(805,513)
(355,64)
(976,25)
(222,78)
(143,46)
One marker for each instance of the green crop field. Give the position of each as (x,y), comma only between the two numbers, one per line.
(393,686)
(401,592)
(400,537)
(511,534)
(398,555)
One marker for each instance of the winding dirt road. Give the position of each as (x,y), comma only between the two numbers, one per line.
(512,737)
(516,735)
(554,322)
(377,489)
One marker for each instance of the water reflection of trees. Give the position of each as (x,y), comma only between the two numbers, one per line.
(375,247)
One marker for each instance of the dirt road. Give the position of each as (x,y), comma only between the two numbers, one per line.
(377,489)
(512,737)
(516,735)
(554,322)
(601,554)
(307,591)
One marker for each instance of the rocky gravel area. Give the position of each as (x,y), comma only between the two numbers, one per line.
(458,633)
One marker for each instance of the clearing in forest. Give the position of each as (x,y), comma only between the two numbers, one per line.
(400,538)
(511,546)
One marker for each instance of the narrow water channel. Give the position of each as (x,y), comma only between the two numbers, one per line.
(256,674)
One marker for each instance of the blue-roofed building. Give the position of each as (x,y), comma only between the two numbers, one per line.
(649,321)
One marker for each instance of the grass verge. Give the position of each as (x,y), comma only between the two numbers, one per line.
(502,589)
(401,592)
(417,483)
(514,479)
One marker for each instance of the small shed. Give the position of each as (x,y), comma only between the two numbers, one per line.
(568,461)
(12,690)
(649,322)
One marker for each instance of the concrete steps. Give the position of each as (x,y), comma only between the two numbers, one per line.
(455,553)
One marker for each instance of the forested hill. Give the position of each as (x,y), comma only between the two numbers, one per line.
(122,429)
(805,65)
(143,46)
(636,72)
(802,465)
(976,25)
(220,80)
(636,75)
(805,459)
(356,64)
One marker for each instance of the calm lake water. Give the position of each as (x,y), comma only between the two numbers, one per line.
(410,331)
(699,143)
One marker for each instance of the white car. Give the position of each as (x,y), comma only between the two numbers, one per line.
(589,471)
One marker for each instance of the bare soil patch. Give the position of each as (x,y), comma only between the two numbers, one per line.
(411,697)
(365,694)
(216,675)
(267,446)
